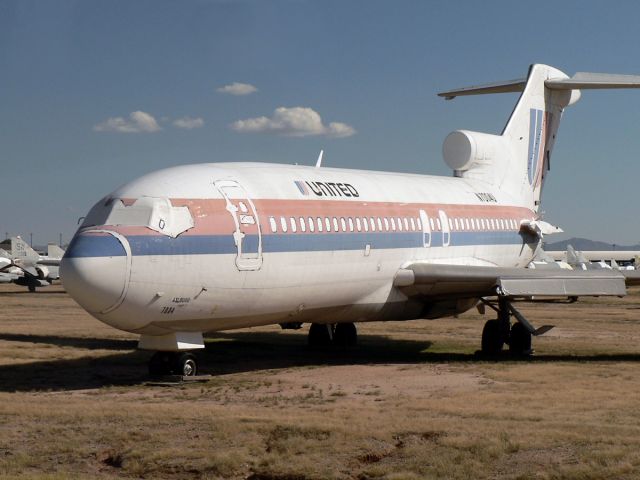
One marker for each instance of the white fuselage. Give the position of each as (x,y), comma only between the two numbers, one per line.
(219,246)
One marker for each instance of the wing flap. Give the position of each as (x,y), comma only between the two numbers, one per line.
(438,280)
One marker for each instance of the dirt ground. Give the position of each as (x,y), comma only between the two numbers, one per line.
(413,400)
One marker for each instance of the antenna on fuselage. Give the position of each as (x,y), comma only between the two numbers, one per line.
(319,161)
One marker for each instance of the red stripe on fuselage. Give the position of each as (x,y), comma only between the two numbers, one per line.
(212,218)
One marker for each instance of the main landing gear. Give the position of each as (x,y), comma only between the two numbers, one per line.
(322,335)
(184,364)
(499,331)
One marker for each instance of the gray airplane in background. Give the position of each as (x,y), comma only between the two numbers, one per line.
(21,264)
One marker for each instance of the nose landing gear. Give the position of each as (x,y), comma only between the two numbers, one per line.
(325,335)
(184,364)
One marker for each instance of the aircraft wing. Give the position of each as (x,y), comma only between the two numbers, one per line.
(449,281)
(7,277)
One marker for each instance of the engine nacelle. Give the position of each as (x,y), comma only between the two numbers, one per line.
(465,150)
(43,272)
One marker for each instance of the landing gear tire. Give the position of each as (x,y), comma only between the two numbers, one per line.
(173,363)
(345,335)
(492,337)
(32,288)
(320,335)
(186,365)
(519,340)
(160,364)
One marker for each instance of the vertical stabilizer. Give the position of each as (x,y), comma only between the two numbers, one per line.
(531,133)
(517,161)
(20,250)
(54,251)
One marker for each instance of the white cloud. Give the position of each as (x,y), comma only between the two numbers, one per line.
(293,122)
(138,122)
(188,122)
(237,88)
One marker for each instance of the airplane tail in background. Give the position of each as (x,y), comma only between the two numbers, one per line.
(54,251)
(518,160)
(20,250)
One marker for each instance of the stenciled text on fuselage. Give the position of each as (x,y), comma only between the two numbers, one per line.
(331,189)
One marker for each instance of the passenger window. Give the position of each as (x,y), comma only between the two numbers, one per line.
(350,220)
(343,224)
(303,226)
(379,225)
(372,224)
(283,224)
(294,229)
(413,224)
(327,223)
(393,224)
(433,226)
(438,224)
(358,224)
(406,223)
(365,223)
(312,226)
(273,224)
(335,224)
(319,223)
(386,224)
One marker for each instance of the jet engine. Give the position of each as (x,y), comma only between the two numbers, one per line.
(464,150)
(43,272)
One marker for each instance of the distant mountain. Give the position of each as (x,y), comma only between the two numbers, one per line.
(586,244)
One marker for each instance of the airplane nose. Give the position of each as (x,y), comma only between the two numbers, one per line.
(95,270)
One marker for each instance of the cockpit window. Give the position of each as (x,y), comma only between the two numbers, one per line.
(155,213)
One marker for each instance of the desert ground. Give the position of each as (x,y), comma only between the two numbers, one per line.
(413,400)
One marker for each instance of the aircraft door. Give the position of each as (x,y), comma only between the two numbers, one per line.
(247,235)
(426,229)
(446,229)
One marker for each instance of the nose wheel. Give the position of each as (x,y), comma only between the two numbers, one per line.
(184,364)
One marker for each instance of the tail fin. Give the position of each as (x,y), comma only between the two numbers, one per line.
(54,251)
(518,160)
(20,250)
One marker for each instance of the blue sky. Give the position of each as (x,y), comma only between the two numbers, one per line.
(72,73)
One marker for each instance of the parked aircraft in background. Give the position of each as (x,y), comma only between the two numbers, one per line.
(208,247)
(26,266)
(615,258)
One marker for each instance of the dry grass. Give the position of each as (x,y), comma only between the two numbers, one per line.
(412,401)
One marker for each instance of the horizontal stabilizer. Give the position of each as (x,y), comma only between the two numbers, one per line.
(585,81)
(581,80)
(507,86)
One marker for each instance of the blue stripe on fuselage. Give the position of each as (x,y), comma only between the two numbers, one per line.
(95,246)
(104,246)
